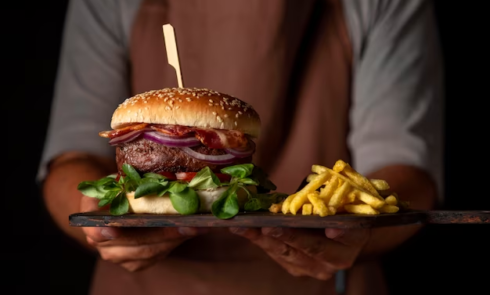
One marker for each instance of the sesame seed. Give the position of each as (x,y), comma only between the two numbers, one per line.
(211,100)
(219,119)
(210,104)
(214,113)
(167,108)
(225,115)
(236,115)
(236,124)
(177,107)
(240,112)
(188,99)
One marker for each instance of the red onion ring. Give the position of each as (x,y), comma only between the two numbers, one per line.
(172,141)
(126,137)
(243,153)
(220,159)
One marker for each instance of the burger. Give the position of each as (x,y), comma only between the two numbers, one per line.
(183,151)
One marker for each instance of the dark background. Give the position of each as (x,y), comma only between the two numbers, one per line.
(441,259)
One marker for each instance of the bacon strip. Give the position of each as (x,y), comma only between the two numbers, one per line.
(173,130)
(212,138)
(118,132)
(220,139)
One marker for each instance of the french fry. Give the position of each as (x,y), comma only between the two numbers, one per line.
(286,203)
(330,186)
(357,202)
(366,197)
(339,166)
(371,200)
(306,209)
(361,209)
(302,195)
(380,184)
(391,200)
(341,190)
(276,208)
(342,178)
(336,199)
(389,209)
(401,204)
(351,197)
(318,205)
(311,177)
(345,169)
(318,169)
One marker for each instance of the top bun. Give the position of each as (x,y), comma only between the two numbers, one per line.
(188,107)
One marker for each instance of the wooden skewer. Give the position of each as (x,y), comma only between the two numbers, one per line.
(172,53)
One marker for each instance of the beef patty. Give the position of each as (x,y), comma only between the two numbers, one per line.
(148,156)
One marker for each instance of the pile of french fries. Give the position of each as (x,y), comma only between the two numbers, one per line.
(340,190)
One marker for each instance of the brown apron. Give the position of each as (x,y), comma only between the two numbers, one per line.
(292,61)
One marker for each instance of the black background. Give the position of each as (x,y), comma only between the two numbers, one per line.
(441,259)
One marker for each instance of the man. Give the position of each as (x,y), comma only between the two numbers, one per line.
(354,80)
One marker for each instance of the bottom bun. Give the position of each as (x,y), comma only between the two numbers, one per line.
(162,205)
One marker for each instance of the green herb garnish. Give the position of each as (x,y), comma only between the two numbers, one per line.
(258,202)
(112,190)
(205,179)
(227,205)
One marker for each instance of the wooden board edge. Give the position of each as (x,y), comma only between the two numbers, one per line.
(247,220)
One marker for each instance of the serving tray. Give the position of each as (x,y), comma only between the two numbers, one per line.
(267,219)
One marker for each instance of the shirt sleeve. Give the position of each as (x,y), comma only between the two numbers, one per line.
(92,79)
(397,105)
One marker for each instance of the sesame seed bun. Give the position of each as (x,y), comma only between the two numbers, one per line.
(194,107)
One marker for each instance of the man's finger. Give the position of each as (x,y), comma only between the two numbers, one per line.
(349,237)
(294,261)
(122,254)
(110,236)
(318,272)
(318,246)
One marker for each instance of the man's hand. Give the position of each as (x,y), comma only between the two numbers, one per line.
(303,252)
(137,249)
(134,248)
